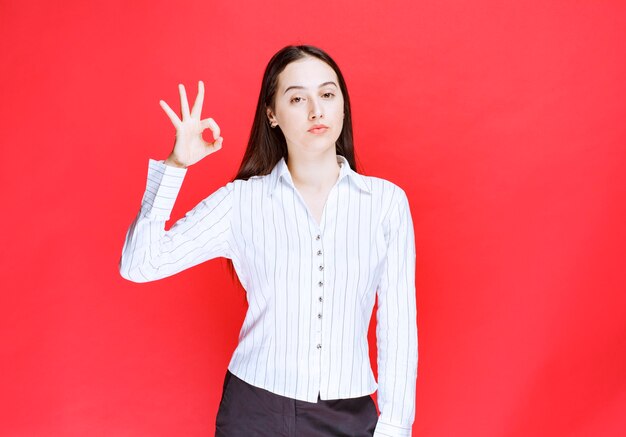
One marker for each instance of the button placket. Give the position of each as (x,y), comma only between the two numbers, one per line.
(320,298)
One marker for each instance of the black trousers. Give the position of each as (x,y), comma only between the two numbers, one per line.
(249,411)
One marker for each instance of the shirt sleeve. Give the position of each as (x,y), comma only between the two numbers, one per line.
(396,326)
(150,252)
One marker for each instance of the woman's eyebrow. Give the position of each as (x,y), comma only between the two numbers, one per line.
(301,87)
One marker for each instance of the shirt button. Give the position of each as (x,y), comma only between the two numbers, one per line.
(317,237)
(319,252)
(319,346)
(320,283)
(321,267)
(320,298)
(319,316)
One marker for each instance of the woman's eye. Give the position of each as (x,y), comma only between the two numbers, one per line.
(297,99)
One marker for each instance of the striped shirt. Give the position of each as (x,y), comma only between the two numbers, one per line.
(310,287)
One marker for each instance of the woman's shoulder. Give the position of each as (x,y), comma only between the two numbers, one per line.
(382,186)
(245,184)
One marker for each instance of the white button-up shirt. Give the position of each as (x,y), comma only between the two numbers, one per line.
(310,287)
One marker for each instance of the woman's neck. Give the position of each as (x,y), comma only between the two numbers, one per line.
(314,174)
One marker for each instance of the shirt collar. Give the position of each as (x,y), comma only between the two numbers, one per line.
(281,170)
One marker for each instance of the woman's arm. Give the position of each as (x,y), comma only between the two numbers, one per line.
(396,326)
(150,253)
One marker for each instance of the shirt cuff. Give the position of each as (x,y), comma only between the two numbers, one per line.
(384,429)
(162,187)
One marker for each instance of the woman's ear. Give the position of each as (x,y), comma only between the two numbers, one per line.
(270,117)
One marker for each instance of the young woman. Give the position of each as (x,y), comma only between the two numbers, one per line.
(313,242)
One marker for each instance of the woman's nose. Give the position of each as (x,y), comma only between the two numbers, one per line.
(315,110)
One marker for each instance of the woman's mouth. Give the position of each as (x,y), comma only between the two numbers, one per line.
(318,130)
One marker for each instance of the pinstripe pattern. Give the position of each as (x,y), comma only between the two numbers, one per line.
(311,287)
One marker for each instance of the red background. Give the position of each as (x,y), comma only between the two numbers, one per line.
(503,121)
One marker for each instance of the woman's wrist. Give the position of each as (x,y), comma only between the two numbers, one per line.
(174,162)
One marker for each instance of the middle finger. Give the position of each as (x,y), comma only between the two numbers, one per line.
(197,105)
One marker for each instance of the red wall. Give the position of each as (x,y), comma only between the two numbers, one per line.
(503,121)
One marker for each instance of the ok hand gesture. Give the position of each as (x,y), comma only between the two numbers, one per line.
(189,147)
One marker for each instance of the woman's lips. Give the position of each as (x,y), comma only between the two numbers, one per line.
(318,130)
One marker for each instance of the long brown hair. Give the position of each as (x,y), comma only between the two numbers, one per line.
(267,146)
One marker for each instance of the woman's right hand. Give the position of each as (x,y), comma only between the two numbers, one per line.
(190,147)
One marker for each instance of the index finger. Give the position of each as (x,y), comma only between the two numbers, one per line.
(211,124)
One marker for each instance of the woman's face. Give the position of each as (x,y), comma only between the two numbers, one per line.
(307,94)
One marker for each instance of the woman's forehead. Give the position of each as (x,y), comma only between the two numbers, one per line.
(309,73)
